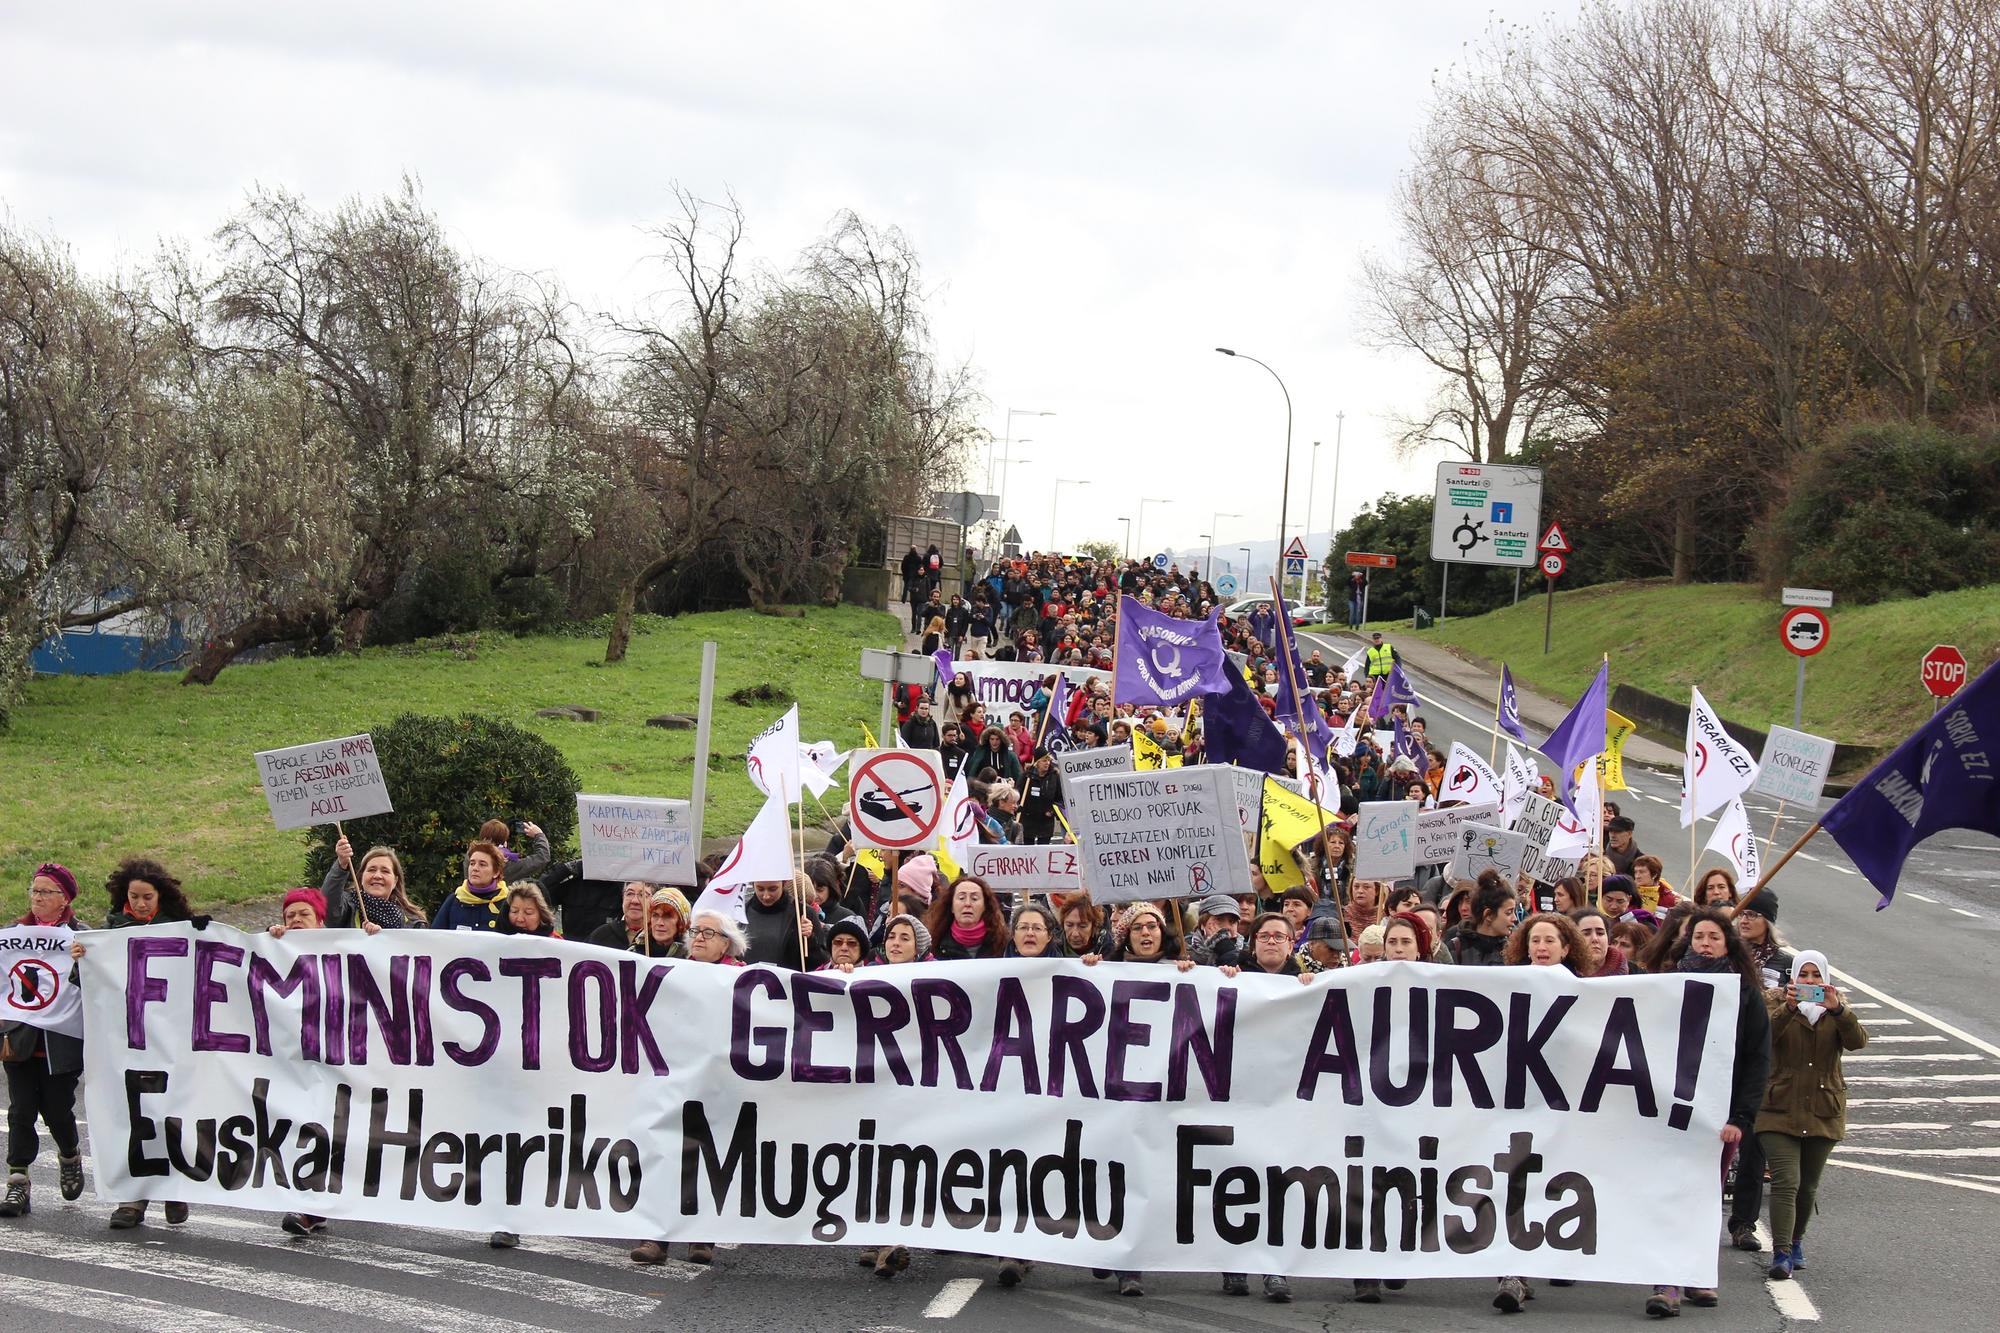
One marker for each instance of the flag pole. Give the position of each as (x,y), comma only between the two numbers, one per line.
(1770,874)
(1288,661)
(1493,750)
(1597,867)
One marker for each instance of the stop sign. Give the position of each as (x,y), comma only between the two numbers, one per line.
(1944,670)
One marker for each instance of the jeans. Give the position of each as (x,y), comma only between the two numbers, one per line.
(34,1093)
(1796,1163)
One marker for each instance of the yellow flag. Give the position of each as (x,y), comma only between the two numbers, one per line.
(1290,818)
(1274,855)
(871,860)
(1147,753)
(869,737)
(1187,727)
(1611,768)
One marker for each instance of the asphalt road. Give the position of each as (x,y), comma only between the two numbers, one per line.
(1908,1231)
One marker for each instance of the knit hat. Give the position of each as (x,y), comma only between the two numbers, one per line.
(312,898)
(60,874)
(1417,924)
(668,896)
(1121,925)
(918,877)
(1765,904)
(851,926)
(1219,904)
(923,935)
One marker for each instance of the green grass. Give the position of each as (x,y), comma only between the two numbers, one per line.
(1861,688)
(97,768)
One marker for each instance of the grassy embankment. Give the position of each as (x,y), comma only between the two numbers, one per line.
(99,767)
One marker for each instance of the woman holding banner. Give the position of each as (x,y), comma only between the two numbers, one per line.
(665,935)
(43,1066)
(480,900)
(968,922)
(384,898)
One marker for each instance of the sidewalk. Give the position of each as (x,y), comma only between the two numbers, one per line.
(1477,678)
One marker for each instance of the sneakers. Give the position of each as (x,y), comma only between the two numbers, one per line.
(1012,1271)
(16,1202)
(1367,1291)
(701,1253)
(1507,1299)
(1235,1284)
(503,1240)
(1129,1285)
(1798,1253)
(1743,1235)
(69,1176)
(1705,1297)
(1277,1288)
(128,1215)
(1664,1303)
(649,1252)
(1781,1265)
(177,1213)
(296,1224)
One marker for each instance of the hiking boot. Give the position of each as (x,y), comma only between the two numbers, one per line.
(1129,1286)
(1798,1254)
(1394,1283)
(868,1255)
(1781,1265)
(1367,1291)
(649,1252)
(127,1215)
(503,1240)
(702,1253)
(1743,1235)
(1705,1297)
(1011,1272)
(1509,1295)
(892,1260)
(177,1213)
(1277,1288)
(298,1224)
(69,1177)
(1235,1284)
(1664,1303)
(17,1201)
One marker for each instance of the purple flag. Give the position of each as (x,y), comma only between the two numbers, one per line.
(1162,659)
(1055,735)
(1580,736)
(946,669)
(1946,776)
(1390,690)
(1510,707)
(1302,711)
(1236,730)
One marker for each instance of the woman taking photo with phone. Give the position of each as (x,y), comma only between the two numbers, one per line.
(1805,1110)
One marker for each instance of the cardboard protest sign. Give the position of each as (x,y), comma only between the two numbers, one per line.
(1075,764)
(1483,847)
(1538,821)
(1049,868)
(636,837)
(1794,766)
(1385,840)
(1437,830)
(323,783)
(1173,833)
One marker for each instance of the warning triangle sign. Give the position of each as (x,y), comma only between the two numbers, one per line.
(1296,549)
(1553,539)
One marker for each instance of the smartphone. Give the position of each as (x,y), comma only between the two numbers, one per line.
(1811,994)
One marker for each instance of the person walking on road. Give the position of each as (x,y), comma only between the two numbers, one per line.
(43,1066)
(1805,1112)
(1380,656)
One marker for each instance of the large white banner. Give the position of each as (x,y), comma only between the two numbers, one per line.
(1393,1120)
(1005,687)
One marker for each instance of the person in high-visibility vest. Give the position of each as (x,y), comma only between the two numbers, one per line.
(1380,657)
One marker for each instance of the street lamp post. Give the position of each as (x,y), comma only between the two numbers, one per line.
(1145,500)
(1056,500)
(1333,519)
(1285,492)
(1208,570)
(1128,537)
(1007,437)
(1006,470)
(1312,482)
(1244,587)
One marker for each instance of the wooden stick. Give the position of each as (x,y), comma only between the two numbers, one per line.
(1493,750)
(1772,873)
(1289,660)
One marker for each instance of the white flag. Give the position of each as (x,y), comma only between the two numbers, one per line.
(764,852)
(1347,738)
(1519,780)
(36,988)
(1573,836)
(1714,768)
(774,757)
(1356,664)
(961,819)
(818,763)
(1468,778)
(1735,843)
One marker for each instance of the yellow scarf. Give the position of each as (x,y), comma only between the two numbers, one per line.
(471,899)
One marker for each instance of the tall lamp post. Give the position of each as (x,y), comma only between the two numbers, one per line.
(1128,537)
(1285,492)
(1006,470)
(1312,482)
(1208,570)
(1056,500)
(1333,519)
(1007,437)
(1244,587)
(1145,500)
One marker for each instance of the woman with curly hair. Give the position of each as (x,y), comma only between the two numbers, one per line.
(1549,939)
(967,922)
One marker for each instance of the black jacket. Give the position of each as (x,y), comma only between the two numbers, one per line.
(1753,1059)
(921,733)
(1476,950)
(774,935)
(585,904)
(1041,794)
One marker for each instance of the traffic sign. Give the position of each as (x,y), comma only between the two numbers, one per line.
(1552,564)
(1820,597)
(1295,566)
(1295,549)
(1371,559)
(1486,514)
(1160,561)
(1553,540)
(895,799)
(1225,585)
(1805,630)
(1944,670)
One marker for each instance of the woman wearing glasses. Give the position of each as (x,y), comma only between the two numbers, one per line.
(42,1066)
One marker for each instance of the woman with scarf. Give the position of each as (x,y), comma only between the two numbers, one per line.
(1033,933)
(1710,947)
(665,934)
(1482,940)
(1364,904)
(384,899)
(480,900)
(1756,921)
(905,939)
(1606,959)
(968,922)
(43,1066)
(1805,1110)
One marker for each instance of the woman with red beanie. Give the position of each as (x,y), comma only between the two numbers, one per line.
(42,1066)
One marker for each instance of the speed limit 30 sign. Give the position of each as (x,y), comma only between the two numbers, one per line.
(1552,564)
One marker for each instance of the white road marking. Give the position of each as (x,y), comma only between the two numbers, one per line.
(118,1308)
(1841,868)
(1960,910)
(1933,1055)
(1836,1160)
(1849,979)
(1905,1036)
(1885,1022)
(1898,1124)
(1788,1295)
(519,1282)
(1922,1101)
(1906,1079)
(1920,897)
(292,1289)
(1808,856)
(1918,1152)
(953,1298)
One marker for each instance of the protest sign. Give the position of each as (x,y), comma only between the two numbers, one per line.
(1075,764)
(34,979)
(1385,840)
(1538,820)
(1169,834)
(1049,868)
(1005,687)
(1437,830)
(1491,1120)
(636,837)
(1483,847)
(323,783)
(1794,766)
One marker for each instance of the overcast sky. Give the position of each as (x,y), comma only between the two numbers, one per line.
(1101,194)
